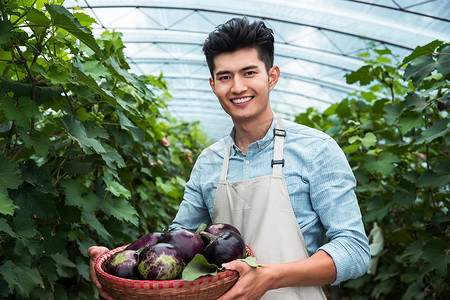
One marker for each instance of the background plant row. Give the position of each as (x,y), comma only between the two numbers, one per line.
(89,155)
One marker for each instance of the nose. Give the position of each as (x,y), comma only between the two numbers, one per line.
(239,85)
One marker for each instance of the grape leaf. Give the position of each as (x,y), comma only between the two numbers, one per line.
(92,84)
(77,131)
(125,123)
(9,175)
(384,164)
(77,195)
(37,17)
(4,227)
(438,129)
(21,278)
(5,31)
(37,140)
(115,188)
(62,18)
(422,50)
(122,210)
(95,225)
(22,113)
(439,176)
(7,206)
(62,264)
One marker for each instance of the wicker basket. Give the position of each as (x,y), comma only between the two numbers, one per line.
(204,288)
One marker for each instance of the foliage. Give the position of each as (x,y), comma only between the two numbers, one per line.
(395,133)
(88,151)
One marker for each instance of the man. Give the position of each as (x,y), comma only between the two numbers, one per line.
(280,183)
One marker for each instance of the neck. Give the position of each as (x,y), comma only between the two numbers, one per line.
(251,131)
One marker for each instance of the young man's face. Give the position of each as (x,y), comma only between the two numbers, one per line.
(242,84)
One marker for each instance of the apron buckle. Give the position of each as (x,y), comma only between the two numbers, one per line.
(278,162)
(279,132)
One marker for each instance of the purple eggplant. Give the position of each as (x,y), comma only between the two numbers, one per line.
(160,261)
(187,241)
(144,241)
(224,248)
(218,228)
(123,264)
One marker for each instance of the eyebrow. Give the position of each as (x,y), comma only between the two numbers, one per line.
(243,69)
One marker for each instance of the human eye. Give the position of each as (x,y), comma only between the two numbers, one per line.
(224,77)
(250,73)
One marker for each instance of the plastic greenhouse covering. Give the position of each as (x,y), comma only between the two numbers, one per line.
(316,43)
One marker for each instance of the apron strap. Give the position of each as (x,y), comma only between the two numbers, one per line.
(277,161)
(226,158)
(279,134)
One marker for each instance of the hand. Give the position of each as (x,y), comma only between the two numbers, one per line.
(250,285)
(94,252)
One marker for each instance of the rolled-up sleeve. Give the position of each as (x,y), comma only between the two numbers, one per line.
(192,212)
(332,185)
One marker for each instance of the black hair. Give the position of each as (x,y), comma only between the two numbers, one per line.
(236,34)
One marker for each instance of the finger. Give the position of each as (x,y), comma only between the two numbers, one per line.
(236,265)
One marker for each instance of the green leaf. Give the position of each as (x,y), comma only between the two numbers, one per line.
(443,61)
(84,19)
(125,123)
(434,254)
(6,29)
(438,177)
(92,84)
(414,291)
(391,112)
(37,17)
(415,101)
(77,131)
(438,129)
(59,75)
(62,18)
(79,196)
(21,278)
(9,175)
(124,75)
(95,225)
(22,113)
(409,120)
(122,210)
(113,159)
(422,50)
(7,206)
(4,227)
(369,140)
(115,188)
(37,140)
(362,75)
(384,164)
(198,267)
(62,264)
(251,261)
(96,69)
(423,66)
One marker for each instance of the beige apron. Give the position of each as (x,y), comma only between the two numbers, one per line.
(261,210)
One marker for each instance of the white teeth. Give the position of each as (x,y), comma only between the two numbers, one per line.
(241,100)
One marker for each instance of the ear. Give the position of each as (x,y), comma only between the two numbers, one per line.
(274,74)
(211,83)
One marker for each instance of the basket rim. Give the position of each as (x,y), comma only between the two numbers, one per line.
(174,283)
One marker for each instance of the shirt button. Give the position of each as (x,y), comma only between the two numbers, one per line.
(247,162)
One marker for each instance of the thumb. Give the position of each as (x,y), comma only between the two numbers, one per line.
(235,265)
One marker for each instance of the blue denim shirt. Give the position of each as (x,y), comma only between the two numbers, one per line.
(320,185)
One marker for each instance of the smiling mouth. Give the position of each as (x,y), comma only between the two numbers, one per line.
(241,100)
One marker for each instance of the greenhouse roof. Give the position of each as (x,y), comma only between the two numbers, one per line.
(316,43)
